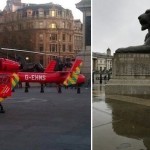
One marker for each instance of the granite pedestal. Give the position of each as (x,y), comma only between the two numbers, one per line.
(131,75)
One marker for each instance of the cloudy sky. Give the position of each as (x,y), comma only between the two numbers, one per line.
(115,24)
(70,4)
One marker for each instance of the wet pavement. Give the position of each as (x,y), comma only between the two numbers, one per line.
(46,121)
(119,125)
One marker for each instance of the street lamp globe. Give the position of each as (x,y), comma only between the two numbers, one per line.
(27,58)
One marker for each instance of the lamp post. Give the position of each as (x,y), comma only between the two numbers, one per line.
(100,81)
(93,77)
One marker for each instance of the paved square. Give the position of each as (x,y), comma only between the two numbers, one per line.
(46,121)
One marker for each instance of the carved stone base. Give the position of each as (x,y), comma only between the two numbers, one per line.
(131,74)
(128,87)
(86,68)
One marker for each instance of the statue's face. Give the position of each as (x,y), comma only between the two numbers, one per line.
(144,20)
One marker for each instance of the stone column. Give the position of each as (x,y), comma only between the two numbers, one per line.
(85,55)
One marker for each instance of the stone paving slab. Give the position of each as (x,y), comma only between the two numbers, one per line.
(104,138)
(46,121)
(100,118)
(119,125)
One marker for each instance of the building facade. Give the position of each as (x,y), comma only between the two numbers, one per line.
(78,36)
(102,61)
(47,28)
(102,67)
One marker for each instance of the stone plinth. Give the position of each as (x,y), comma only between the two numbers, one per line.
(85,55)
(131,74)
(86,68)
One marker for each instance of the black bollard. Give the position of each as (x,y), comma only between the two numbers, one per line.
(2,109)
(59,89)
(26,87)
(42,88)
(20,84)
(100,81)
(13,90)
(93,78)
(78,90)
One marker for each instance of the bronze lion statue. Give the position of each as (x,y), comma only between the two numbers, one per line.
(144,20)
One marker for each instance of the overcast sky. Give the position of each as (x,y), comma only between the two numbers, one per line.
(70,4)
(115,24)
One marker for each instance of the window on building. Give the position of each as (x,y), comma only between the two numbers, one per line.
(59,13)
(53,47)
(29,13)
(53,37)
(24,14)
(69,25)
(41,37)
(63,24)
(47,13)
(70,48)
(63,37)
(19,15)
(63,14)
(52,25)
(41,60)
(41,13)
(70,38)
(41,47)
(41,25)
(29,25)
(53,13)
(20,27)
(64,48)
(54,57)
